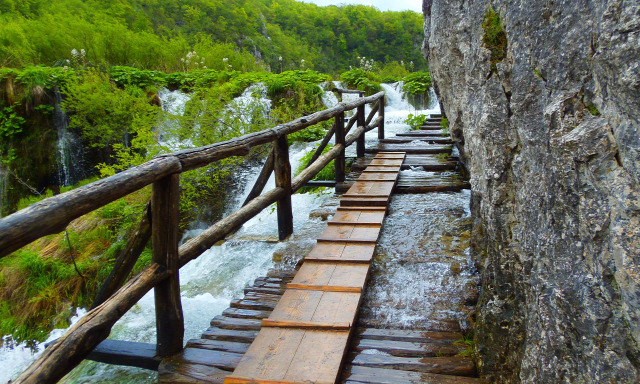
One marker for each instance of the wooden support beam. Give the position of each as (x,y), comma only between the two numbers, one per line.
(164,218)
(381,116)
(360,140)
(262,180)
(282,169)
(127,259)
(129,353)
(340,161)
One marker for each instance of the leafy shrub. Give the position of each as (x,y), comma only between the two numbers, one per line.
(362,80)
(417,83)
(415,121)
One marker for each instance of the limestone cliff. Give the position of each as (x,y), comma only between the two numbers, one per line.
(549,132)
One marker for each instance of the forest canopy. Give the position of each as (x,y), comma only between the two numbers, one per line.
(251,35)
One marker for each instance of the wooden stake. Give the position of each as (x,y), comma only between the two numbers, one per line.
(164,218)
(360,141)
(339,162)
(282,169)
(381,116)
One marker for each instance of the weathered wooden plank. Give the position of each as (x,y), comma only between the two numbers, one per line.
(361,123)
(458,366)
(426,149)
(339,162)
(245,313)
(129,353)
(177,372)
(270,355)
(215,333)
(264,305)
(408,349)
(335,251)
(347,231)
(346,275)
(317,306)
(222,360)
(381,116)
(408,335)
(318,358)
(366,375)
(235,323)
(363,201)
(218,345)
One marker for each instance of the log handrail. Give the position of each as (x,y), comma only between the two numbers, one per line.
(163,172)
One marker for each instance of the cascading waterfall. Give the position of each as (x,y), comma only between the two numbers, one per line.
(70,151)
(219,274)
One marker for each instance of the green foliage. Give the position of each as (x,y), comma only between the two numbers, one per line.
(415,121)
(283,35)
(10,123)
(467,340)
(360,79)
(417,83)
(111,117)
(327,173)
(392,71)
(494,38)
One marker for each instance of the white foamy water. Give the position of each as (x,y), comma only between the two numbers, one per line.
(221,273)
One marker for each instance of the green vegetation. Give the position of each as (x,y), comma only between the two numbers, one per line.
(444,123)
(415,121)
(244,35)
(327,173)
(495,38)
(467,340)
(593,109)
(39,286)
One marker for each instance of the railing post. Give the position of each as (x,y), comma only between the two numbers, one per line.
(339,162)
(164,227)
(361,123)
(381,114)
(282,169)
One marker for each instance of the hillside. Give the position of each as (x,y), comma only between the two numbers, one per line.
(274,35)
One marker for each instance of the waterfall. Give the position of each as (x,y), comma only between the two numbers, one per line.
(70,160)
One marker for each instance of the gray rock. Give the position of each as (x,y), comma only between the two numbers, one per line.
(555,189)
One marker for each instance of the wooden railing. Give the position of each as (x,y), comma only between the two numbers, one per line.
(160,223)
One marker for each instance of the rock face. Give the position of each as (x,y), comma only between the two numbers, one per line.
(550,136)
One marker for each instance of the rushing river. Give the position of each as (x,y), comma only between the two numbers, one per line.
(221,273)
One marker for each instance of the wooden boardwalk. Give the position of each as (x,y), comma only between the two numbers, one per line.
(305,338)
(301,327)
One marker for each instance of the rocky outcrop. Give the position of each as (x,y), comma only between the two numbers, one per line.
(550,135)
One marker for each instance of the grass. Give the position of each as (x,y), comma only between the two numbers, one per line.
(495,38)
(39,285)
(467,339)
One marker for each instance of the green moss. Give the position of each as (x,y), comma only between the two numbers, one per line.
(593,109)
(495,38)
(444,123)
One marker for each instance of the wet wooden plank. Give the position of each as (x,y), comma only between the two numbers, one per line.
(409,149)
(380,161)
(235,324)
(217,345)
(344,251)
(361,188)
(307,325)
(377,176)
(245,313)
(407,335)
(318,358)
(366,375)
(215,333)
(218,359)
(409,349)
(314,273)
(458,366)
(270,355)
(352,231)
(325,288)
(317,306)
(172,371)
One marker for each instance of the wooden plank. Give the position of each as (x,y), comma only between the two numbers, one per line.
(349,240)
(348,231)
(457,365)
(222,360)
(345,275)
(360,201)
(318,358)
(217,345)
(357,216)
(244,380)
(383,162)
(409,349)
(215,333)
(129,353)
(235,324)
(378,176)
(342,251)
(317,306)
(177,372)
(356,208)
(408,335)
(270,355)
(324,288)
(367,375)
(297,324)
